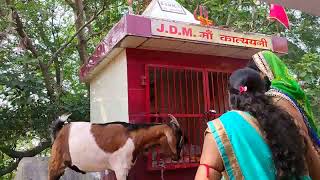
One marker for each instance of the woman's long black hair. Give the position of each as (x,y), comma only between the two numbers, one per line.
(282,135)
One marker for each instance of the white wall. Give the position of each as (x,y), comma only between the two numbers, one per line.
(109,92)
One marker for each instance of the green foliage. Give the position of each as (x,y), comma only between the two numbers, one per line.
(26,106)
(307,70)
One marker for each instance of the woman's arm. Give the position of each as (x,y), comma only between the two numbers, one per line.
(210,157)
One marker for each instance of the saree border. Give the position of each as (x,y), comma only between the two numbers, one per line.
(262,64)
(230,162)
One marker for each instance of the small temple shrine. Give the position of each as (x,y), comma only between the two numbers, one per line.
(164,61)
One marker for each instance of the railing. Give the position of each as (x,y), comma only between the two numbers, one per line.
(186,93)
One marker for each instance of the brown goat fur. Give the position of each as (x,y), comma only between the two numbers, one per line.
(60,155)
(109,138)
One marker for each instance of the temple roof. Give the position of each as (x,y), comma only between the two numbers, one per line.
(140,32)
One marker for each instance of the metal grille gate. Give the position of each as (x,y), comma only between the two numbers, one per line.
(187,93)
(218,96)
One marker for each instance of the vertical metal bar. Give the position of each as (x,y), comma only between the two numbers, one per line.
(168,94)
(168,91)
(161,108)
(205,90)
(181,96)
(196,129)
(186,74)
(191,127)
(192,94)
(226,91)
(147,72)
(199,102)
(161,91)
(197,122)
(218,91)
(148,103)
(155,90)
(228,76)
(212,89)
(175,96)
(174,91)
(223,91)
(190,136)
(201,119)
(205,86)
(198,92)
(187,92)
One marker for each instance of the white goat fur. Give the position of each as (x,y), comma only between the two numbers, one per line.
(89,157)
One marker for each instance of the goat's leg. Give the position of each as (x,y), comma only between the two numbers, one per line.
(55,169)
(110,174)
(56,165)
(121,174)
(55,172)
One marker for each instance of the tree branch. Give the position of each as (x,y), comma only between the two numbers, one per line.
(71,4)
(19,28)
(59,75)
(88,13)
(97,33)
(48,80)
(82,43)
(52,48)
(75,34)
(29,153)
(9,168)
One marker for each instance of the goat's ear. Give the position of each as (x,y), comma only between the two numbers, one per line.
(173,121)
(64,116)
(170,142)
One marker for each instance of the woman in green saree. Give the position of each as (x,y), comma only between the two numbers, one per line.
(255,140)
(286,93)
(284,85)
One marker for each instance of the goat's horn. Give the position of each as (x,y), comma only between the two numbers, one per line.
(64,116)
(174,119)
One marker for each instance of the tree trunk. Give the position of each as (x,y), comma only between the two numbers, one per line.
(82,43)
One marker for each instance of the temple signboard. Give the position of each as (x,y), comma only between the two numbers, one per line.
(171,6)
(209,34)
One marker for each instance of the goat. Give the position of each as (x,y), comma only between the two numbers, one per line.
(87,147)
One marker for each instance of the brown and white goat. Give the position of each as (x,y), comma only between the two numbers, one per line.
(86,147)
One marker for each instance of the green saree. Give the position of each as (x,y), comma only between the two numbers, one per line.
(284,82)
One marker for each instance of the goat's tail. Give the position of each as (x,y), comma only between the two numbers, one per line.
(58,124)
